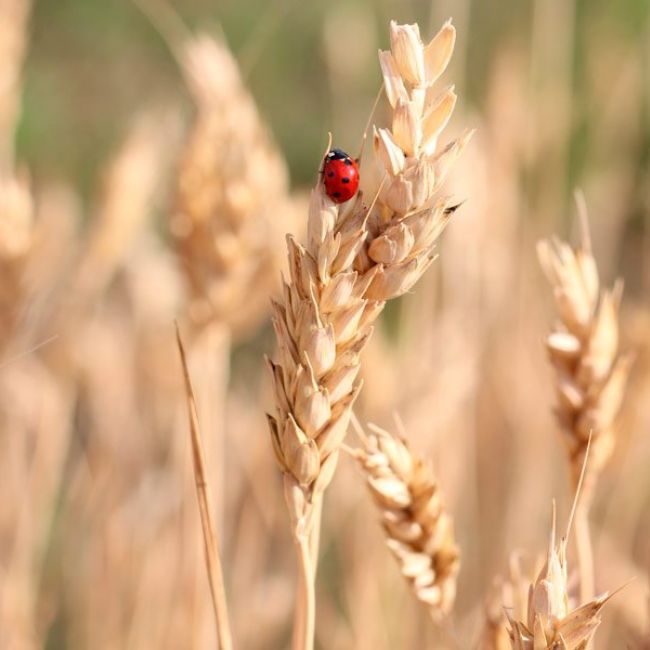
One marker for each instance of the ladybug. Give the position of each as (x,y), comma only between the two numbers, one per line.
(340,176)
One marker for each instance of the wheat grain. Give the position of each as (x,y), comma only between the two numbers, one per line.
(419,531)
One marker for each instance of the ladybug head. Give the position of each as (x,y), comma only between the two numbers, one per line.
(337,154)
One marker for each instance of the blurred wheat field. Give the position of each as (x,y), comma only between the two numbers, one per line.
(151,166)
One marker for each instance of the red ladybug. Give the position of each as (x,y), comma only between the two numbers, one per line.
(340,175)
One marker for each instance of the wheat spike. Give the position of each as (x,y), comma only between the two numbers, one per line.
(419,531)
(403,229)
(356,258)
(231,202)
(551,621)
(590,373)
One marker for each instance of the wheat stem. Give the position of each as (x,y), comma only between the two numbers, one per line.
(204,498)
(305,615)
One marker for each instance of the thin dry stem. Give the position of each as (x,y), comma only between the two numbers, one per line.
(305,614)
(204,498)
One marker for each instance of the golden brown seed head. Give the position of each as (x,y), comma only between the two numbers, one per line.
(418,529)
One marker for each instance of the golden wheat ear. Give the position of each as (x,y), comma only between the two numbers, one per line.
(583,347)
(590,372)
(232,204)
(419,530)
(551,620)
(355,259)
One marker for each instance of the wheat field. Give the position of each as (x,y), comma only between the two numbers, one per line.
(235,413)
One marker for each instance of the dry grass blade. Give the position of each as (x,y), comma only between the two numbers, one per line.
(215,573)
(419,531)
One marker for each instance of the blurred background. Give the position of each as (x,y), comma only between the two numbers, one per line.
(149,173)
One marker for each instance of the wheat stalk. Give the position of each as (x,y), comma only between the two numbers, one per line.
(204,498)
(419,531)
(355,259)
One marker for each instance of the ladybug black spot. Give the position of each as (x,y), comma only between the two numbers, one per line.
(345,180)
(330,174)
(348,161)
(336,194)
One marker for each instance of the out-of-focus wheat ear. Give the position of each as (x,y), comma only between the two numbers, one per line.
(419,531)
(232,205)
(204,498)
(552,620)
(590,372)
(583,347)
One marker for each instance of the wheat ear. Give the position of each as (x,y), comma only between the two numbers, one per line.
(232,194)
(341,279)
(590,373)
(356,258)
(419,531)
(550,621)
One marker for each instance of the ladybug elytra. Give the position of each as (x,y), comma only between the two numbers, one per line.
(340,176)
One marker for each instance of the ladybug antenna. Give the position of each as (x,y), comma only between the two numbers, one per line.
(365,131)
